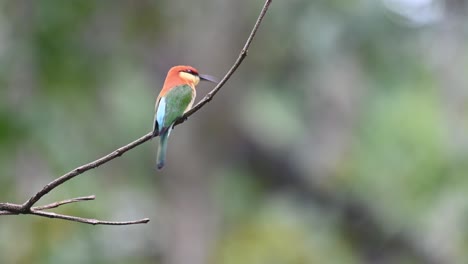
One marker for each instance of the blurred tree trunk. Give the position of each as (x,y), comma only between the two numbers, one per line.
(203,42)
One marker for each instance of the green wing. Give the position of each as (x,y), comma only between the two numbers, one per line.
(177,100)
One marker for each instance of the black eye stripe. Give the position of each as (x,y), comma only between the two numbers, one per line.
(191,72)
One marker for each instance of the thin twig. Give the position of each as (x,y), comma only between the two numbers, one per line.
(27,207)
(231,71)
(87,220)
(57,204)
(70,175)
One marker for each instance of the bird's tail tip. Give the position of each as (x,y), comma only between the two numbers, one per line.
(160,165)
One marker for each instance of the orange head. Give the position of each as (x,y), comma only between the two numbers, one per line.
(179,75)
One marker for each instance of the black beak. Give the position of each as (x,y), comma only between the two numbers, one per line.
(208,78)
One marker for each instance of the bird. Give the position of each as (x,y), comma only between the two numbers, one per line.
(174,100)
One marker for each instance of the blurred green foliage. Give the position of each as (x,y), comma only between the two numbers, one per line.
(342,138)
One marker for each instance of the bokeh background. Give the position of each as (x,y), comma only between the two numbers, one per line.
(342,138)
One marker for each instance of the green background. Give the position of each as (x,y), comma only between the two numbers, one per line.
(342,138)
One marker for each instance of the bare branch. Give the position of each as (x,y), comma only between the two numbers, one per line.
(231,71)
(70,175)
(87,220)
(10,207)
(37,210)
(57,204)
(27,207)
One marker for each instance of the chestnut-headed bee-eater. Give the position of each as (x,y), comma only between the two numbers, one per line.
(176,98)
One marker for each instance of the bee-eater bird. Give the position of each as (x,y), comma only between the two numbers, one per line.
(176,98)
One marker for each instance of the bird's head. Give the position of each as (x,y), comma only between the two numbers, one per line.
(189,74)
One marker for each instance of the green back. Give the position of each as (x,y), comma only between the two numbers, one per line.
(177,100)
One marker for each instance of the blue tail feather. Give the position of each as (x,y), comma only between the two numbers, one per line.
(161,157)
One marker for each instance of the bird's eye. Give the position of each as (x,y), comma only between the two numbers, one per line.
(190,71)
